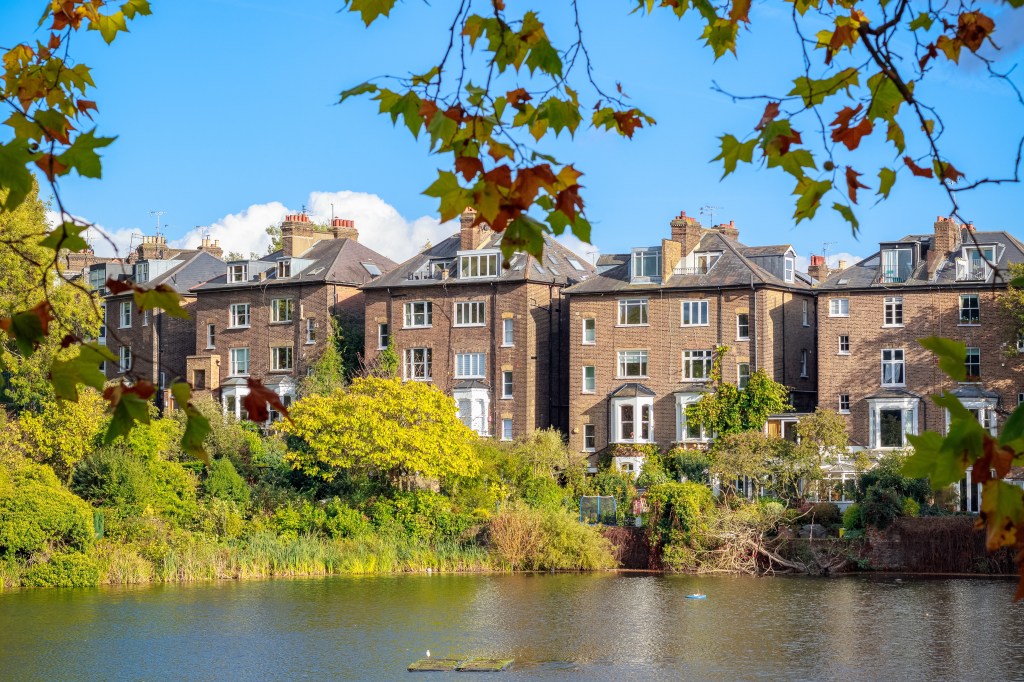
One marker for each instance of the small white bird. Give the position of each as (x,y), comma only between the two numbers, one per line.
(428,653)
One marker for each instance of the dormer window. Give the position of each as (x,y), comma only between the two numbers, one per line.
(647,264)
(238,273)
(975,265)
(789,267)
(141,273)
(896,265)
(706,261)
(478,265)
(284,269)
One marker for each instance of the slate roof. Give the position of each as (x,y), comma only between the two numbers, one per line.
(337,261)
(867,273)
(555,267)
(734,268)
(632,390)
(192,269)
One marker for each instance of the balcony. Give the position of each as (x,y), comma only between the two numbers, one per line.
(697,270)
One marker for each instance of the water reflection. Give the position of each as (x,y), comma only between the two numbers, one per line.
(601,626)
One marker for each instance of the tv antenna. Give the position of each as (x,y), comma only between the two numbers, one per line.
(158,214)
(824,250)
(709,210)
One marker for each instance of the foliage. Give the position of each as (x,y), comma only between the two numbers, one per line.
(383,426)
(852,518)
(618,484)
(1011,300)
(750,454)
(328,372)
(823,434)
(910,507)
(729,410)
(653,472)
(532,539)
(881,506)
(223,482)
(889,473)
(684,508)
(64,569)
(37,513)
(825,513)
(61,433)
(690,463)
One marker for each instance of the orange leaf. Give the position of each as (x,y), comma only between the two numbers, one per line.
(972,29)
(949,172)
(499,175)
(517,97)
(455,113)
(84,105)
(628,121)
(568,201)
(853,184)
(49,164)
(771,110)
(255,403)
(740,11)
(917,170)
(427,110)
(469,166)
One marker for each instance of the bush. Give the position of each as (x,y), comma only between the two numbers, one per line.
(880,507)
(910,507)
(73,569)
(653,472)
(223,482)
(36,513)
(683,507)
(825,513)
(888,473)
(689,464)
(538,539)
(852,519)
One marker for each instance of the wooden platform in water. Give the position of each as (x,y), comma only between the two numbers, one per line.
(468,665)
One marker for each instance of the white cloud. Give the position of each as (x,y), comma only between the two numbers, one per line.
(244,232)
(588,251)
(833,260)
(104,242)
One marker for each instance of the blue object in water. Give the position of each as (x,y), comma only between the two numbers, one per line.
(696,596)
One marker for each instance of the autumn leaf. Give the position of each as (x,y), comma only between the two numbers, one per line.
(853,184)
(28,328)
(1002,513)
(518,97)
(850,136)
(973,28)
(917,170)
(197,426)
(947,171)
(771,110)
(995,457)
(130,405)
(886,179)
(255,403)
(469,166)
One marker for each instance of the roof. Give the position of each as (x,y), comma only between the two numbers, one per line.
(559,265)
(867,273)
(336,261)
(893,393)
(631,390)
(733,268)
(192,269)
(973,391)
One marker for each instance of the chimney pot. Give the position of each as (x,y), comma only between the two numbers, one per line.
(817,260)
(842,265)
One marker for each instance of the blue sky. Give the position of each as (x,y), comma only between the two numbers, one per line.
(226,115)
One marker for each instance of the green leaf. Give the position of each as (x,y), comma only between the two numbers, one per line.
(923,21)
(84,368)
(929,461)
(809,193)
(15,176)
(161,296)
(848,215)
(814,91)
(371,10)
(952,355)
(197,427)
(1014,426)
(523,234)
(82,156)
(886,179)
(28,328)
(734,151)
(453,197)
(109,25)
(129,409)
(65,236)
(360,89)
(885,97)
(1017,282)
(133,7)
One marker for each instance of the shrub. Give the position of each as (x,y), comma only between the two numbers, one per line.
(888,473)
(690,464)
(676,555)
(223,482)
(880,507)
(653,472)
(685,507)
(538,539)
(36,512)
(910,507)
(73,569)
(825,513)
(852,519)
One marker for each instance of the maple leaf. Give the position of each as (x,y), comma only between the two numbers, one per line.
(469,166)
(49,164)
(853,184)
(500,176)
(947,171)
(130,404)
(568,200)
(842,131)
(518,97)
(255,403)
(771,110)
(917,170)
(740,11)
(995,457)
(27,328)
(628,121)
(973,28)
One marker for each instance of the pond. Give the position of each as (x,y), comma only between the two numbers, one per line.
(603,626)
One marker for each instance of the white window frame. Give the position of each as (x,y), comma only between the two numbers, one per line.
(909,410)
(805,314)
(742,335)
(482,265)
(506,428)
(418,310)
(804,361)
(844,397)
(644,259)
(625,304)
(284,269)
(277,353)
(236,366)
(789,268)
(682,432)
(236,311)
(590,370)
(843,337)
(211,336)
(972,378)
(141,272)
(696,311)
(414,359)
(981,271)
(507,384)
(589,325)
(590,435)
(977,320)
(691,358)
(836,307)
(643,419)
(310,331)
(479,404)
(893,362)
(145,318)
(742,377)
(124,359)
(238,273)
(470,365)
(124,320)
(508,333)
(889,272)
(892,315)
(383,335)
(470,314)
(626,358)
(282,310)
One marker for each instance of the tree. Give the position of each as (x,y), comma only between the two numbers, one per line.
(730,410)
(381,427)
(1012,303)
(746,455)
(328,372)
(62,433)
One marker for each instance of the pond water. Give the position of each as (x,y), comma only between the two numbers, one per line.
(586,627)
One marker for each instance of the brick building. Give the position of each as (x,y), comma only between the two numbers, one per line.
(489,335)
(270,318)
(871,315)
(643,332)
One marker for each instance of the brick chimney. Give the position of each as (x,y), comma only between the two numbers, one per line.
(818,269)
(298,235)
(944,243)
(342,228)
(211,246)
(840,266)
(473,236)
(687,231)
(728,230)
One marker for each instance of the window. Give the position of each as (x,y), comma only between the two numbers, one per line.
(844,403)
(589,379)
(890,428)
(803,363)
(742,375)
(975,264)
(742,327)
(310,330)
(469,314)
(281,358)
(632,363)
(478,265)
(633,420)
(839,307)
(805,314)
(506,384)
(589,437)
(141,273)
(383,338)
(124,359)
(199,379)
(239,361)
(508,332)
(893,311)
(103,326)
(696,365)
(970,309)
(211,335)
(473,406)
(281,310)
(685,431)
(695,313)
(126,314)
(1020,399)
(647,263)
(1020,340)
(789,267)
(417,364)
(844,344)
(238,273)
(470,365)
(239,314)
(145,318)
(284,269)
(419,314)
(896,265)
(705,261)
(506,429)
(632,311)
(590,328)
(973,364)
(893,367)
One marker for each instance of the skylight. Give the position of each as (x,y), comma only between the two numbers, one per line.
(575,263)
(539,268)
(372,269)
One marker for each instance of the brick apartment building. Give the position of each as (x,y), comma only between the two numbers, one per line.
(871,315)
(150,344)
(489,335)
(270,318)
(643,332)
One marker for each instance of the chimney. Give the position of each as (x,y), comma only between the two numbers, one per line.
(728,230)
(298,235)
(818,269)
(211,246)
(687,231)
(944,243)
(840,266)
(344,229)
(473,236)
